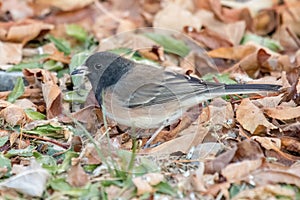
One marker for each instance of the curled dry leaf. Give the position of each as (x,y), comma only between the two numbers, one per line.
(268,102)
(25,104)
(265,192)
(144,183)
(51,92)
(272,176)
(195,136)
(14,115)
(252,118)
(174,17)
(17,9)
(91,154)
(248,150)
(268,142)
(265,22)
(218,114)
(283,112)
(22,31)
(235,171)
(209,38)
(233,53)
(290,144)
(220,162)
(67,5)
(53,99)
(232,32)
(77,176)
(10,53)
(31,181)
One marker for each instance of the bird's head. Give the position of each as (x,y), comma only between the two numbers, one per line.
(104,69)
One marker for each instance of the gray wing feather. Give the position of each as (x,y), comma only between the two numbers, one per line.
(173,87)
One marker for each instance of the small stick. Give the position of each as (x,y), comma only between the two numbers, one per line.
(63,145)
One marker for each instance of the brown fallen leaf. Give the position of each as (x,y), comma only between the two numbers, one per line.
(218,114)
(17,9)
(26,104)
(232,32)
(209,38)
(265,192)
(220,162)
(53,97)
(197,179)
(235,171)
(290,144)
(175,17)
(91,154)
(77,176)
(252,118)
(14,115)
(233,53)
(265,22)
(269,176)
(45,80)
(283,112)
(268,142)
(268,102)
(248,150)
(144,183)
(23,31)
(182,143)
(10,53)
(65,5)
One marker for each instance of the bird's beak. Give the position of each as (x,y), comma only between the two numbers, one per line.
(82,70)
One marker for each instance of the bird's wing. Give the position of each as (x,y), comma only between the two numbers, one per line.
(174,87)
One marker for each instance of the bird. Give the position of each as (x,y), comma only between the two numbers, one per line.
(147,96)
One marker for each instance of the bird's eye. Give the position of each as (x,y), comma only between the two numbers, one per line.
(97,66)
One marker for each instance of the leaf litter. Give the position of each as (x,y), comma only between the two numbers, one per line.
(239,147)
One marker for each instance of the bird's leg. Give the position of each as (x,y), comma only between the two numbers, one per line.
(147,145)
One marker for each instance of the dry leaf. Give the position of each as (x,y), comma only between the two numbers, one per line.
(233,53)
(265,192)
(182,143)
(77,176)
(66,5)
(31,181)
(14,115)
(209,38)
(268,142)
(10,53)
(235,171)
(232,32)
(91,154)
(290,144)
(175,17)
(248,150)
(23,31)
(271,176)
(268,102)
(218,114)
(219,163)
(47,81)
(252,118)
(53,99)
(283,112)
(17,9)
(25,104)
(144,183)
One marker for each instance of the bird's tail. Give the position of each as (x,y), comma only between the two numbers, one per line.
(250,88)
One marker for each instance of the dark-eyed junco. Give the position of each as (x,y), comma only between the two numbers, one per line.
(146,96)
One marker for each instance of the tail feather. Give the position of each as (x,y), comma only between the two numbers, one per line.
(251,88)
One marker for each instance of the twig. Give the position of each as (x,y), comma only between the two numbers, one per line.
(63,145)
